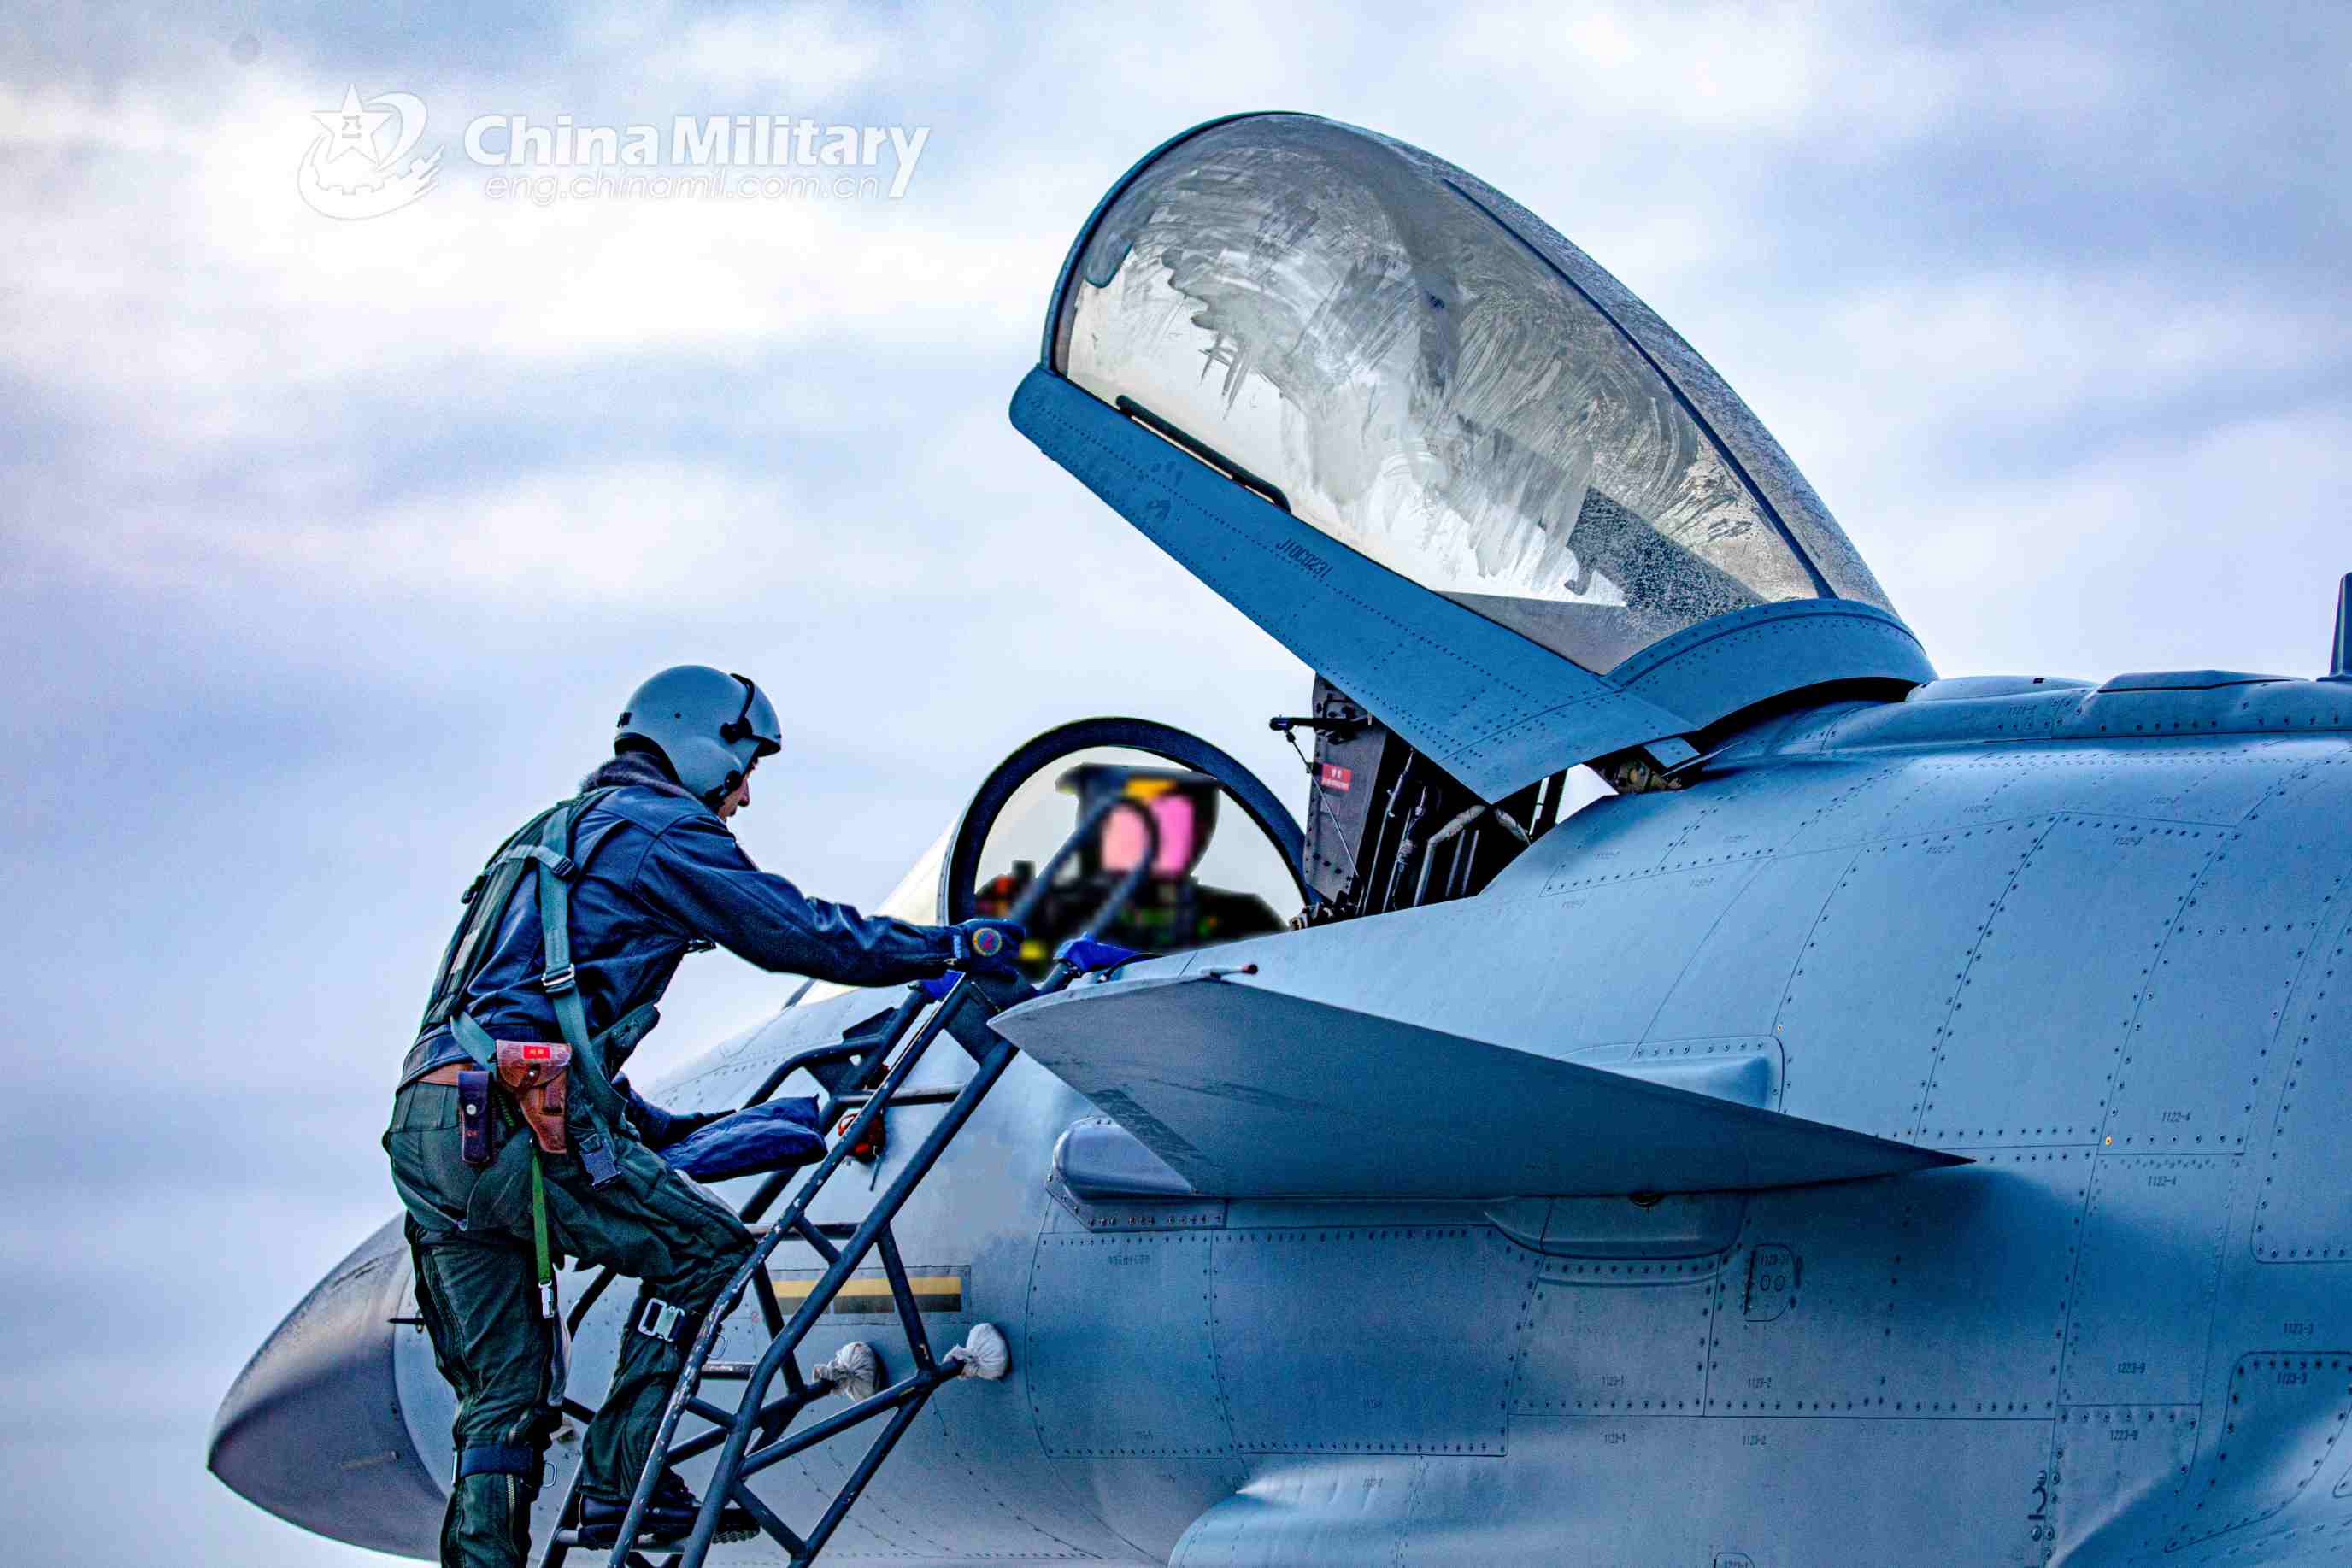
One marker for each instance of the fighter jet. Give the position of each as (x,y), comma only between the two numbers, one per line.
(1696,1089)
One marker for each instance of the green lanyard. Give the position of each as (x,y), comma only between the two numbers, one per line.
(559,1347)
(538,1239)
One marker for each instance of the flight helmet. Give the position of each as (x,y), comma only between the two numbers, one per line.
(710,726)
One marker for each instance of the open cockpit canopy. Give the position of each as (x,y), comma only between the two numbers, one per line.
(1345,329)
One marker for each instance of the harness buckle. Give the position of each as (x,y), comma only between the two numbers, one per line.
(555,982)
(562,865)
(660,1320)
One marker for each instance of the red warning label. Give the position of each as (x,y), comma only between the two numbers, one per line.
(1338,780)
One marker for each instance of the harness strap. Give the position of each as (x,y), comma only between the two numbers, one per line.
(485,899)
(495,1460)
(664,1321)
(476,1040)
(562,864)
(560,982)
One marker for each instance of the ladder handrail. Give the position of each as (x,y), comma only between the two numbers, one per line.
(780,1347)
(848,1046)
(963,1012)
(706,1336)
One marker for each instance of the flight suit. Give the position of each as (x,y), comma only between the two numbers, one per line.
(658,875)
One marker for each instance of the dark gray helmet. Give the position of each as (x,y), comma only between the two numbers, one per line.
(710,724)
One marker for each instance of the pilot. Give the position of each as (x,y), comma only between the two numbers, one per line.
(653,873)
(1172,911)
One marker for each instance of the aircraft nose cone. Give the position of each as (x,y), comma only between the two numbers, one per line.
(311,1429)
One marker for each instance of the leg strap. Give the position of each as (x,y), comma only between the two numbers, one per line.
(496,1459)
(657,1319)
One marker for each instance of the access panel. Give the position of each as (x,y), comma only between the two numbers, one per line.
(1598,1346)
(1119,1357)
(2206,1036)
(2151,1255)
(1983,1262)
(2030,1052)
(1305,1368)
(2303,1213)
(1880,969)
(2287,1411)
(2115,1475)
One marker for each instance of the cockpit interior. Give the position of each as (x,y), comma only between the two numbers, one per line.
(1173,910)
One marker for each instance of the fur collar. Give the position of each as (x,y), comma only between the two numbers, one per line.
(639,770)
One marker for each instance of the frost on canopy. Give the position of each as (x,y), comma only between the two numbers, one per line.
(1432,377)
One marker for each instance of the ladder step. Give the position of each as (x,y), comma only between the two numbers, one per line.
(571,1538)
(832,1230)
(736,1531)
(906,1097)
(736,1523)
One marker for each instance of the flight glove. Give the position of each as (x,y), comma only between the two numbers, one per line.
(988,947)
(661,1128)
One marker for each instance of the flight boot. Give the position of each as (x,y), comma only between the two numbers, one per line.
(669,1518)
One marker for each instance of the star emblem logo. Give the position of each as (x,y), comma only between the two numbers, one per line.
(347,173)
(352,127)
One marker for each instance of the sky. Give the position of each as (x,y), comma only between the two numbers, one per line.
(329,547)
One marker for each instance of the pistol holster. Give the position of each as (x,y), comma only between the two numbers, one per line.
(537,1078)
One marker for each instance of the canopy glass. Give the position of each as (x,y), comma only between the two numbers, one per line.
(1421,371)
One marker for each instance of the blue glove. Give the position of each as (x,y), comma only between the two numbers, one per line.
(987,946)
(776,1135)
(661,1128)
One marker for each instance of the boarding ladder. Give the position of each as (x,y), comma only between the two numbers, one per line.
(868,1070)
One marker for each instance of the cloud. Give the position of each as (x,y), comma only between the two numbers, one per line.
(2179,551)
(814,54)
(1783,75)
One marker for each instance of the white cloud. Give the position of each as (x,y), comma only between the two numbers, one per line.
(1736,73)
(54,115)
(2216,548)
(806,54)
(2012,346)
(203,303)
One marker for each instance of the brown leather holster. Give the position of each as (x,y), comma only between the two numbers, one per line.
(537,1076)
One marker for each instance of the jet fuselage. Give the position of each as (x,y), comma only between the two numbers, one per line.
(2095,942)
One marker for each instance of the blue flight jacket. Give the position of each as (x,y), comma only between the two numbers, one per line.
(659,870)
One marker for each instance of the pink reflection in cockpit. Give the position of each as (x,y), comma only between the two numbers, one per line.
(1122,843)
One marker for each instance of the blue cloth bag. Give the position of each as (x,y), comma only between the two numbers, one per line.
(769,1138)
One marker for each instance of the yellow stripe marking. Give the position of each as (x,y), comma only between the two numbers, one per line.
(873,1290)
